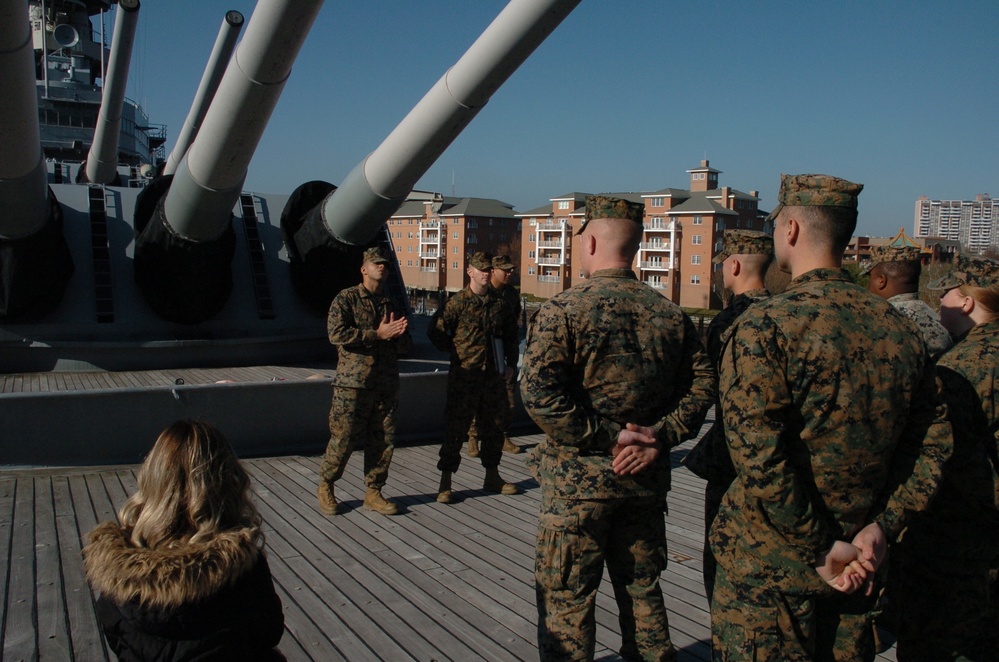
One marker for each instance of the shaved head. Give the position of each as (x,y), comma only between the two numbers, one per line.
(618,236)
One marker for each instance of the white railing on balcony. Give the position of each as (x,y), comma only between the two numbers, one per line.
(432,268)
(552,225)
(656,284)
(551,244)
(551,260)
(655,264)
(429,254)
(654,246)
(549,279)
(657,226)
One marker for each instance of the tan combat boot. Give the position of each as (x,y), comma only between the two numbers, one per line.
(473,447)
(444,493)
(327,502)
(374,500)
(510,447)
(494,483)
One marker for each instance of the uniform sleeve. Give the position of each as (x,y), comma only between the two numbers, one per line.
(917,463)
(342,327)
(699,391)
(543,384)
(442,327)
(756,405)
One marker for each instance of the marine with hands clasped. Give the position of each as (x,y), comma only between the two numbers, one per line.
(370,334)
(745,257)
(616,376)
(479,331)
(836,433)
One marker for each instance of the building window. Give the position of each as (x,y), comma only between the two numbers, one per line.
(698,220)
(454,236)
(454,265)
(695,259)
(563,204)
(696,239)
(532,239)
(530,271)
(409,263)
(695,280)
(409,249)
(530,255)
(658,201)
(455,251)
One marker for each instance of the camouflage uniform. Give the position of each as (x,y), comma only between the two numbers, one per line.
(606,352)
(950,570)
(466,327)
(937,338)
(366,386)
(709,459)
(832,423)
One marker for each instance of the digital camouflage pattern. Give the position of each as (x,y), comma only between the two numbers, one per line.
(466,327)
(366,385)
(512,299)
(481,261)
(709,459)
(926,319)
(974,271)
(604,353)
(950,571)
(832,422)
(605,206)
(815,190)
(744,242)
(885,253)
(376,255)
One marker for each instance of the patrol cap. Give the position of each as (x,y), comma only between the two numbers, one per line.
(744,242)
(375,255)
(502,262)
(605,206)
(815,191)
(481,261)
(886,253)
(974,271)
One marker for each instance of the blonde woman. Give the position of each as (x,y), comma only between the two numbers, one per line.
(183,576)
(950,566)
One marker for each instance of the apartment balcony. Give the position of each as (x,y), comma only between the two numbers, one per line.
(431,269)
(552,225)
(549,279)
(655,246)
(551,244)
(429,255)
(430,224)
(551,260)
(657,227)
(656,284)
(655,265)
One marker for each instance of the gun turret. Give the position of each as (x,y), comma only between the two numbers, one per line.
(102,160)
(321,221)
(185,241)
(35,263)
(217,62)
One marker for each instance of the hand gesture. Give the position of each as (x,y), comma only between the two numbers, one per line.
(637,448)
(841,567)
(390,327)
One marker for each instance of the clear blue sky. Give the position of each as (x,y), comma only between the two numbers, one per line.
(628,95)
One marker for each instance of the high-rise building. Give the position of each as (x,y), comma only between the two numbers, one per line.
(683,229)
(974,223)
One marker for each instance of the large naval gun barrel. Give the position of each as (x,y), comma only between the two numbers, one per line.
(185,242)
(35,263)
(350,217)
(102,160)
(217,62)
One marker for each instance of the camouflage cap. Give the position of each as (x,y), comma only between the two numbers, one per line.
(376,255)
(605,206)
(815,191)
(881,254)
(974,271)
(502,262)
(481,261)
(745,242)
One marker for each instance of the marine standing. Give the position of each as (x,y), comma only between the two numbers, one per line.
(949,588)
(829,404)
(370,333)
(615,375)
(893,274)
(499,280)
(745,257)
(479,331)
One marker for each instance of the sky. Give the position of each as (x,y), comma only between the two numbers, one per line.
(627,95)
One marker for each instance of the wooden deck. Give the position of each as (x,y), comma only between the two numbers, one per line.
(436,582)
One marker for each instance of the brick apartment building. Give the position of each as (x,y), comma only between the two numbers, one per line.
(683,229)
(433,236)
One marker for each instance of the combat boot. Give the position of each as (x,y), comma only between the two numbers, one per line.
(327,502)
(473,447)
(444,493)
(510,447)
(374,500)
(494,483)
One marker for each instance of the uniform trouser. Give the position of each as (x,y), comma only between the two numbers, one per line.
(750,624)
(506,414)
(575,538)
(359,416)
(481,396)
(949,608)
(713,493)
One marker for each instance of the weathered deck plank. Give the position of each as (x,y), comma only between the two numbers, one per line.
(436,582)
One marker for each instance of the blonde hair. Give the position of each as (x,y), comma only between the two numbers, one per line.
(986,297)
(190,488)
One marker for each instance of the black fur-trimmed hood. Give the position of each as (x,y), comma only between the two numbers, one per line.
(165,577)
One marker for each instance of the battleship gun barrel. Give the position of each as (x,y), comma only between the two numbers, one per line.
(24,202)
(376,187)
(215,68)
(102,161)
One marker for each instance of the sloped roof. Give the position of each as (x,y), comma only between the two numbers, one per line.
(487,207)
(699,203)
